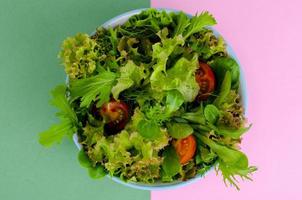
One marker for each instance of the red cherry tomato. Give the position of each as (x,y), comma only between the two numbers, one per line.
(116,115)
(185,148)
(206,81)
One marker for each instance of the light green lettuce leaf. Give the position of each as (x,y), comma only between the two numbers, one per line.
(161,52)
(180,77)
(79,56)
(130,76)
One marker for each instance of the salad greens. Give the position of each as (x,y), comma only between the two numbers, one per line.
(153,100)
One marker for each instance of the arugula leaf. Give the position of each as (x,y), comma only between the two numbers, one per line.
(224,90)
(90,88)
(182,21)
(67,116)
(198,23)
(56,133)
(211,113)
(171,164)
(231,162)
(131,75)
(113,40)
(195,117)
(232,132)
(179,130)
(149,129)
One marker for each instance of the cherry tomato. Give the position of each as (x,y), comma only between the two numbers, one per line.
(206,81)
(185,148)
(116,115)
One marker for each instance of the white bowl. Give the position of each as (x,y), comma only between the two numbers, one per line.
(119,20)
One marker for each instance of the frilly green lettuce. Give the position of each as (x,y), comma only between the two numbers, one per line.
(79,56)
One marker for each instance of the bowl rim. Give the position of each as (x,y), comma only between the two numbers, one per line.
(122,18)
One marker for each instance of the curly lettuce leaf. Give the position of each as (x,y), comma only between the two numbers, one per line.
(129,155)
(232,112)
(161,52)
(79,56)
(96,88)
(180,77)
(208,45)
(68,119)
(146,24)
(130,76)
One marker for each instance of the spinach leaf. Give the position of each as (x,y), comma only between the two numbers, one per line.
(179,130)
(171,164)
(221,65)
(149,129)
(174,100)
(211,113)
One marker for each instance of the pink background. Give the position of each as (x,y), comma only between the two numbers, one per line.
(266,36)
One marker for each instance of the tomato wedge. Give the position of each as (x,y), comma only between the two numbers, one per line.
(206,81)
(185,148)
(116,115)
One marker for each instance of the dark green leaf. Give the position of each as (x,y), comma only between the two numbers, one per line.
(179,130)
(231,132)
(96,172)
(224,89)
(182,22)
(83,159)
(171,164)
(211,113)
(149,129)
(195,117)
(221,65)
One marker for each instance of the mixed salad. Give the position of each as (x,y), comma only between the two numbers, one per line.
(153,100)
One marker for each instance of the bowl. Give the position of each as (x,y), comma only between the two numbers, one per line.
(121,19)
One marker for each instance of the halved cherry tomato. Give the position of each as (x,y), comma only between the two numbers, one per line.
(206,81)
(185,148)
(116,115)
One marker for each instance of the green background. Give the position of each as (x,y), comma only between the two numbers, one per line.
(31,32)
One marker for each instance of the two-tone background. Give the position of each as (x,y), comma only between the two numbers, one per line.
(267,38)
